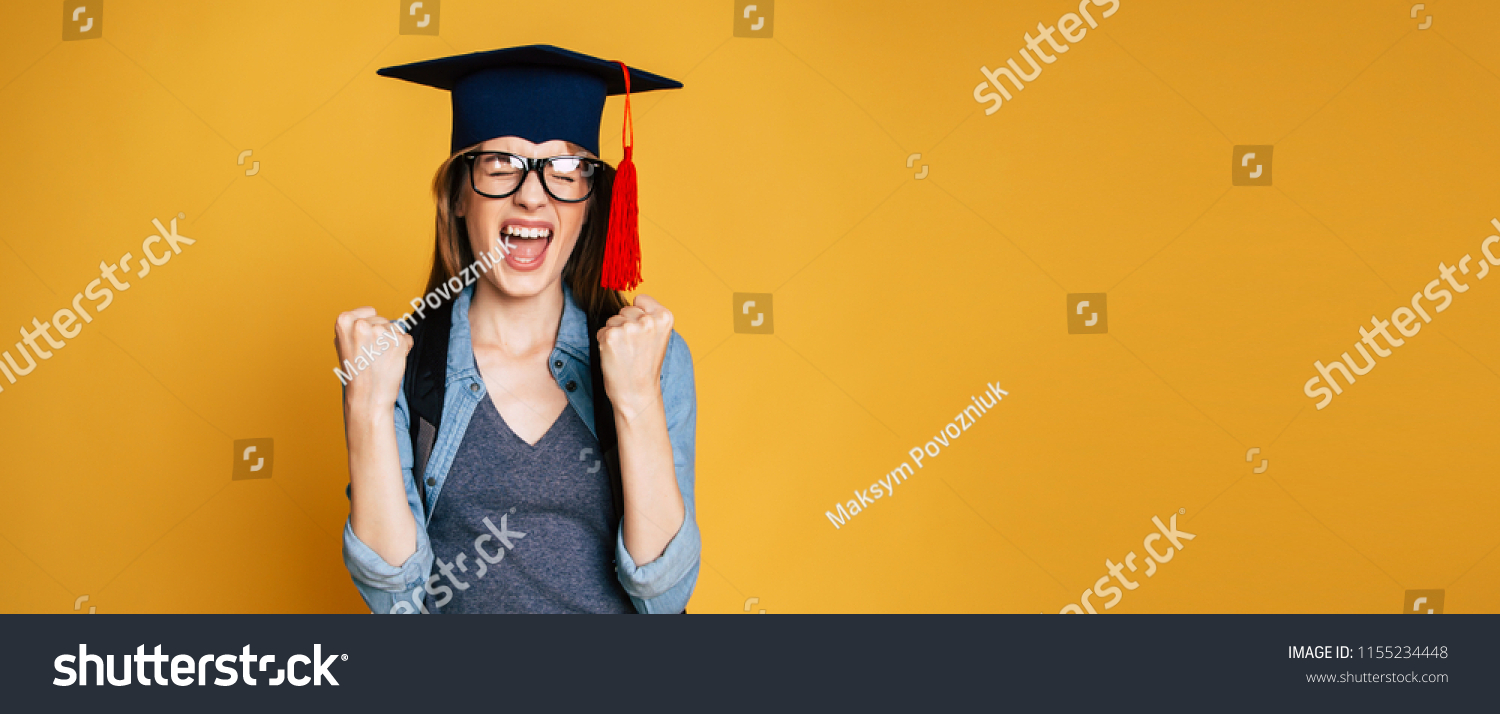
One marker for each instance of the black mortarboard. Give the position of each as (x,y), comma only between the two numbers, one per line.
(536,92)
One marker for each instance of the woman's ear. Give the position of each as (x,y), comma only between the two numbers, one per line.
(460,205)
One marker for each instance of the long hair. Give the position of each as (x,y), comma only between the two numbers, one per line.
(583,269)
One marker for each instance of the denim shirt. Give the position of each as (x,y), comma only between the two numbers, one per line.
(660,586)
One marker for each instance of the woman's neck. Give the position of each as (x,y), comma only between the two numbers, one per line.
(519,326)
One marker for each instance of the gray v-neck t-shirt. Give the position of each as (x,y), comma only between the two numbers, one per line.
(526,528)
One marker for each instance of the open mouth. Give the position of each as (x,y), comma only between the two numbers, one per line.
(525,243)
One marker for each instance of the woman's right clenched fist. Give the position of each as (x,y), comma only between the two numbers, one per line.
(376,350)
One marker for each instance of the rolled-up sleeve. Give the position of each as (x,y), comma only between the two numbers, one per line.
(665,584)
(386,588)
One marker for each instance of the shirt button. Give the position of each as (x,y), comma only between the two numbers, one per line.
(571,385)
(557,364)
(473,387)
(431,481)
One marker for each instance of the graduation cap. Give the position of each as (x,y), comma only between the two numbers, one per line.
(542,93)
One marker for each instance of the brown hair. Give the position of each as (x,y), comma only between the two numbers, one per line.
(584,268)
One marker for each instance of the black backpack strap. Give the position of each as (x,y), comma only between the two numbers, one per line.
(604,421)
(424,383)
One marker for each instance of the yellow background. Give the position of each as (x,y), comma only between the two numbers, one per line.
(782,168)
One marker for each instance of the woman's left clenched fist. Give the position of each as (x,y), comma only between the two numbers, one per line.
(632,346)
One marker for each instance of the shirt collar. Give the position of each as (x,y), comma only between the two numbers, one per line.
(573,332)
(460,346)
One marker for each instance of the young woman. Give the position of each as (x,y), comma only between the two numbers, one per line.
(512,508)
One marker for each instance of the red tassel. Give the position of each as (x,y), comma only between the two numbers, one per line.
(622,247)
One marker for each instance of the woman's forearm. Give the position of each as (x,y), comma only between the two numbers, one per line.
(378,510)
(653,503)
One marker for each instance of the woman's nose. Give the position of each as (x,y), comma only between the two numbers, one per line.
(532,194)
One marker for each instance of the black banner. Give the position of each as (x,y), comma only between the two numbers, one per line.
(718,663)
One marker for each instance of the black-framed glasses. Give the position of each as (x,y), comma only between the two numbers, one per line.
(497,174)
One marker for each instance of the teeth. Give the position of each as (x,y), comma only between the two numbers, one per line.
(524,232)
